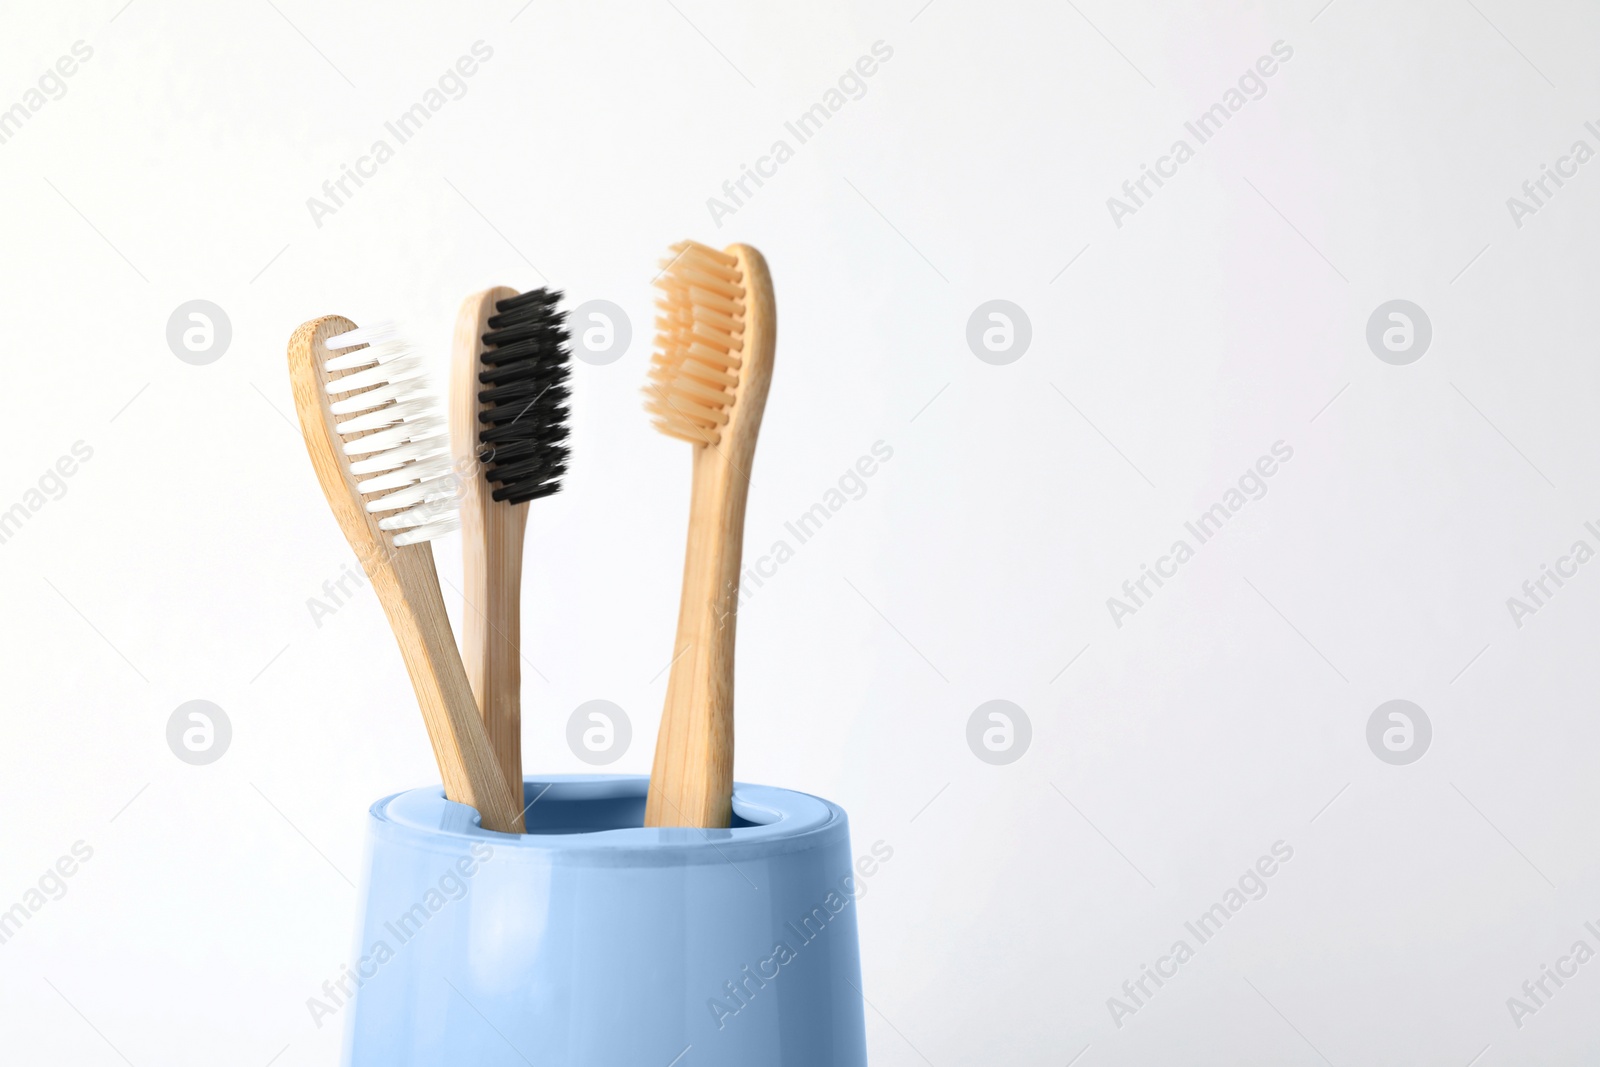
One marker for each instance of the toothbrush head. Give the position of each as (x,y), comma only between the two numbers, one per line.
(392,432)
(700,343)
(523,413)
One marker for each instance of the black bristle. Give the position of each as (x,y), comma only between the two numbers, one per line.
(524,415)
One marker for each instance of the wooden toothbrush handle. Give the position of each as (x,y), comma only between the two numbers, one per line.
(691,781)
(491,551)
(460,742)
(492,569)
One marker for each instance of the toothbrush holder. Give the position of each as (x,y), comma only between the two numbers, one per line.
(592,939)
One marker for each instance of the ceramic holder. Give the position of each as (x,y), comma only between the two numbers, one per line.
(593,940)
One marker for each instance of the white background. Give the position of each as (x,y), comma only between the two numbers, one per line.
(1227,314)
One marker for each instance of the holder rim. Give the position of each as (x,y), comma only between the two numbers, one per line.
(774,822)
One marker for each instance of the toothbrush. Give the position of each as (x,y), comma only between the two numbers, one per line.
(377,440)
(707,386)
(508,425)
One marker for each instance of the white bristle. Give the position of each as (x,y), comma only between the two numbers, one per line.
(404,439)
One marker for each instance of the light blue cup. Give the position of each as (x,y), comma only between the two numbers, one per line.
(592,940)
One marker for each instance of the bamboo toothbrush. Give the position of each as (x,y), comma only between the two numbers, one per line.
(378,443)
(508,425)
(708,385)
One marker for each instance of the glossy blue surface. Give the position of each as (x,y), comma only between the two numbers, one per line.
(592,940)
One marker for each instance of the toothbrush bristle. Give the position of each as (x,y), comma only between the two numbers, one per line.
(526,363)
(694,371)
(394,431)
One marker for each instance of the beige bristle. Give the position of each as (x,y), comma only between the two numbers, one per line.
(694,372)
